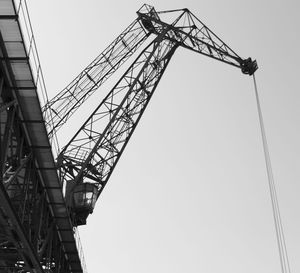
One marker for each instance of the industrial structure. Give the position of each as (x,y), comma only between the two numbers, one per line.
(44,196)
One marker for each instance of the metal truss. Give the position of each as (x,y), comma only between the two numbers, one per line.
(66,102)
(185,29)
(189,32)
(94,151)
(29,240)
(32,237)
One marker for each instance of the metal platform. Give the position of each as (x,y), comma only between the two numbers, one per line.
(20,81)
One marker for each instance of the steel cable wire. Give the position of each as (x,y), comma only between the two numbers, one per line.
(284,260)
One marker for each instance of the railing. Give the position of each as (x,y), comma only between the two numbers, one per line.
(36,69)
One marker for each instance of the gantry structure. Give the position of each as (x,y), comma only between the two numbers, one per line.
(45,196)
(36,232)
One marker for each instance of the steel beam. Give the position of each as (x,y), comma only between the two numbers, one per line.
(107,131)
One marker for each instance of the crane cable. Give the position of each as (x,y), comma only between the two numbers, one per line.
(284,261)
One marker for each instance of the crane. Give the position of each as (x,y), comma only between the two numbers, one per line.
(43,199)
(86,163)
(200,39)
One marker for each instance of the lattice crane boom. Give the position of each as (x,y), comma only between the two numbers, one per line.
(94,151)
(189,32)
(185,28)
(66,102)
(92,154)
(37,218)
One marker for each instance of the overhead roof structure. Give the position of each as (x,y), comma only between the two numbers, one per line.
(19,61)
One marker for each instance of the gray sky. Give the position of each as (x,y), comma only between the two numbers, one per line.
(190,193)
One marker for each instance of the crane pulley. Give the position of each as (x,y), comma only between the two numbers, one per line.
(91,155)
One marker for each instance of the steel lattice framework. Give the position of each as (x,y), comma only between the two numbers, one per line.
(95,149)
(36,232)
(65,103)
(37,222)
(92,154)
(28,231)
(185,29)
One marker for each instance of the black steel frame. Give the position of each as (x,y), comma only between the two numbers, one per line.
(30,234)
(94,151)
(92,154)
(29,241)
(185,28)
(66,102)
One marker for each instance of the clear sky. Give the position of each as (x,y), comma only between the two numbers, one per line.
(190,193)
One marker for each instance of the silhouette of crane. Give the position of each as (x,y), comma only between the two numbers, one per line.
(43,200)
(89,158)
